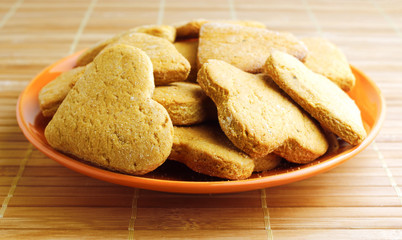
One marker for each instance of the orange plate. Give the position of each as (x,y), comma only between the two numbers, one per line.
(175,177)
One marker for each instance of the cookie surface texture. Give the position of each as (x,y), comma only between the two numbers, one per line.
(186,103)
(244,47)
(205,149)
(192,28)
(163,31)
(318,95)
(328,60)
(258,117)
(109,119)
(53,93)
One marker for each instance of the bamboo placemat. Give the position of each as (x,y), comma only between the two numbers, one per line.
(40,199)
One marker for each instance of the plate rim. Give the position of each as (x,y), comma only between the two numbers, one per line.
(197,187)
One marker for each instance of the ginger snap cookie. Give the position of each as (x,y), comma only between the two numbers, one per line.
(189,50)
(109,119)
(318,95)
(205,149)
(186,103)
(244,47)
(53,93)
(258,117)
(192,28)
(328,60)
(163,31)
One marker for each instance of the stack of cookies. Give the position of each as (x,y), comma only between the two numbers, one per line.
(225,98)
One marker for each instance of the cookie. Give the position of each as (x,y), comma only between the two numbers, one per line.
(168,64)
(244,47)
(53,93)
(89,54)
(205,149)
(164,31)
(318,95)
(186,103)
(328,60)
(109,119)
(267,162)
(189,50)
(258,117)
(192,29)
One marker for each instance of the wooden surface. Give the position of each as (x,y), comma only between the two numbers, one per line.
(40,199)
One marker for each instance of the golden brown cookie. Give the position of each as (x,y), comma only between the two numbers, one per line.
(328,60)
(318,95)
(189,50)
(109,119)
(244,47)
(89,54)
(205,149)
(53,93)
(186,103)
(258,117)
(192,28)
(168,64)
(266,163)
(164,31)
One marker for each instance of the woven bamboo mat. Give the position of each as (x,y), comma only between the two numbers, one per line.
(40,199)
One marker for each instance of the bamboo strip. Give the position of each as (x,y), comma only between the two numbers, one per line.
(14,183)
(10,13)
(72,234)
(75,201)
(358,234)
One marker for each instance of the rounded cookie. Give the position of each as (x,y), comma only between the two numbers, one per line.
(164,31)
(186,103)
(168,64)
(318,95)
(109,119)
(205,149)
(266,163)
(53,93)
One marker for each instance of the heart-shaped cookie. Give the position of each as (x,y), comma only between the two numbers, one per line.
(108,118)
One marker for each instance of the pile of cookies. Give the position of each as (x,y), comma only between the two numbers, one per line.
(225,98)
